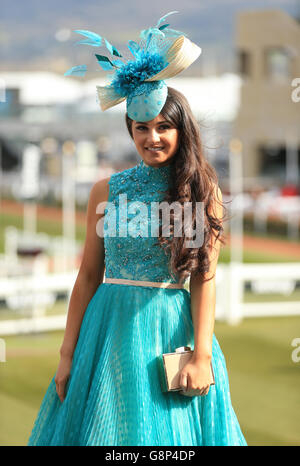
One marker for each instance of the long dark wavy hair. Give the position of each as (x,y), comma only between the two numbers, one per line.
(194,180)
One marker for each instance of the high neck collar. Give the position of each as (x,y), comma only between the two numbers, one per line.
(154,173)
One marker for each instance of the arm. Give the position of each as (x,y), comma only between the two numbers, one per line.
(203,301)
(89,277)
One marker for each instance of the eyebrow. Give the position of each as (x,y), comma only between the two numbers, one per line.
(145,122)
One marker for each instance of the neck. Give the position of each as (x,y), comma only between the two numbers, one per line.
(159,166)
(162,173)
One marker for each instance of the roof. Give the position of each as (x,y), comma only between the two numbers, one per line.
(215,97)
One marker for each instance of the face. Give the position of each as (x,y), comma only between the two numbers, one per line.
(156,140)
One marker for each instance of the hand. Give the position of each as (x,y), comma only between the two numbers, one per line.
(195,377)
(62,376)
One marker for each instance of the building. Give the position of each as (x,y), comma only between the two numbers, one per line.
(46,105)
(268,120)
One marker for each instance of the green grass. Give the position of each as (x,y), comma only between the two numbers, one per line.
(275,229)
(59,307)
(250,297)
(250,256)
(30,364)
(264,381)
(270,235)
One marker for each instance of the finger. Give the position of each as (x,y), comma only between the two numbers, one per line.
(204,391)
(59,396)
(183,382)
(186,393)
(207,391)
(191,393)
(61,391)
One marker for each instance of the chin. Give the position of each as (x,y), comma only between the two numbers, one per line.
(155,162)
(156,157)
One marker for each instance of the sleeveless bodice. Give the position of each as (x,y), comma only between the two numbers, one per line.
(131,225)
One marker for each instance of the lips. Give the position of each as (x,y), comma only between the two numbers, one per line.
(155,149)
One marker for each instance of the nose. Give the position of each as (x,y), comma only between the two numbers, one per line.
(153,136)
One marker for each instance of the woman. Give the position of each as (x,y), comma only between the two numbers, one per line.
(107,389)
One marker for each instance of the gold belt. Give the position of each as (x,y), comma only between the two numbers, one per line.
(124,281)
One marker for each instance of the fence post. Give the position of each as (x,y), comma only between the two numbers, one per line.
(234,315)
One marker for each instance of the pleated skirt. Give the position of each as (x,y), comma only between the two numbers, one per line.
(114,394)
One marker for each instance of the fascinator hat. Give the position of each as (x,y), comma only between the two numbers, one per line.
(161,53)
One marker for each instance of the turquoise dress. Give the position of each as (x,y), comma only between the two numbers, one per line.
(114,394)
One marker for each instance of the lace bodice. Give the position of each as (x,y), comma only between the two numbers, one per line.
(130,219)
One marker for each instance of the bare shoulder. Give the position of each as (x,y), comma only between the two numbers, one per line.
(100,191)
(101,188)
(93,255)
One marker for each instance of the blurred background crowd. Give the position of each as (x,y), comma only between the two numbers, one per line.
(55,143)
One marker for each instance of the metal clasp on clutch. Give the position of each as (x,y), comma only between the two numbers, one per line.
(182,349)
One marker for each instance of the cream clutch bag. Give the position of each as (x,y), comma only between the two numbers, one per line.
(171,365)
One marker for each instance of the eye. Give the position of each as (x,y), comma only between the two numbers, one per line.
(163,126)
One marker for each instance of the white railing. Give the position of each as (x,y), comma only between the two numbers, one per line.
(61,250)
(230,305)
(266,278)
(33,292)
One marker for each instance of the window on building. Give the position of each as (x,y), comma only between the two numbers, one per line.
(244,63)
(9,103)
(278,63)
(274,160)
